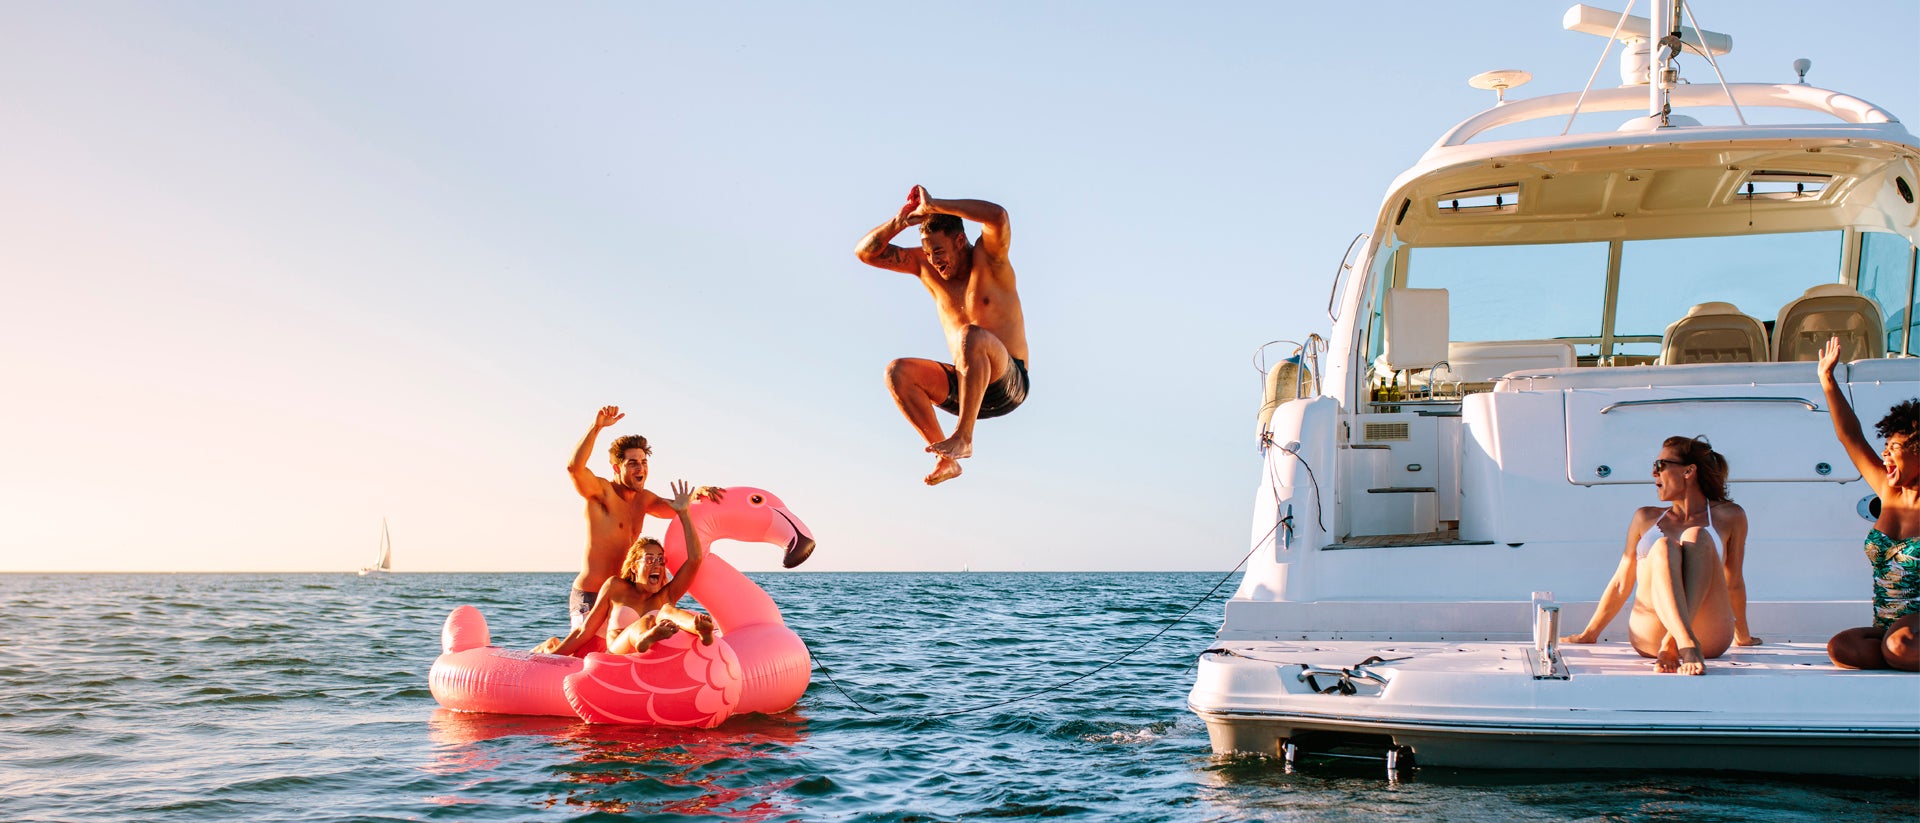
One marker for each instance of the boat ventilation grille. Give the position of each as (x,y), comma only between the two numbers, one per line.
(1376,432)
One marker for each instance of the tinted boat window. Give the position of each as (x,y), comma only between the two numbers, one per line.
(1537,292)
(1886,276)
(1661,279)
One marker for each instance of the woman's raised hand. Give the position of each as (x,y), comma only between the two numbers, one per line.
(1829,358)
(682,496)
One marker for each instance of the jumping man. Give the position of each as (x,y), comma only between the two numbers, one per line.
(973,291)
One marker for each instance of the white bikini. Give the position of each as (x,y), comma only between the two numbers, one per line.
(1653,534)
(618,621)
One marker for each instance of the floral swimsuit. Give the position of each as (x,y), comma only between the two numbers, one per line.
(1896,577)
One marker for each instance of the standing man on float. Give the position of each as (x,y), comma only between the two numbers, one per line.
(973,291)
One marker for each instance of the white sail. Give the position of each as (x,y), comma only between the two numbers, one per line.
(383,559)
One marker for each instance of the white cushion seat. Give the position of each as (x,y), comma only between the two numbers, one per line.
(1714,332)
(1825,311)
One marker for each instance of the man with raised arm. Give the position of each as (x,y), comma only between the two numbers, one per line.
(973,291)
(615,508)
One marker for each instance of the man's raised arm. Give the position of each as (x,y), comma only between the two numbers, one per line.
(996,233)
(877,250)
(585,481)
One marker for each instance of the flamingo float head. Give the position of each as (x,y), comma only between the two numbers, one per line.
(753,515)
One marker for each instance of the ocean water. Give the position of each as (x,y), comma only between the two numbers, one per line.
(190,697)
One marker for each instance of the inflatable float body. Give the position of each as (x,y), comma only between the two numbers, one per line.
(756,664)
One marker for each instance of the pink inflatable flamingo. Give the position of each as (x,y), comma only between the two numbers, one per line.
(756,664)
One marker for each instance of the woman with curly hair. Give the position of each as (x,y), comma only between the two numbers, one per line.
(1893,546)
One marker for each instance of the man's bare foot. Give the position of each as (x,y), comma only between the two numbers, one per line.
(1691,662)
(943,471)
(952,448)
(1667,662)
(705,625)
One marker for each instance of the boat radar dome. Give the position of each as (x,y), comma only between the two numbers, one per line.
(1498,81)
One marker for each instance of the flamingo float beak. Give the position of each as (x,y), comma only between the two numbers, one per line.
(799,545)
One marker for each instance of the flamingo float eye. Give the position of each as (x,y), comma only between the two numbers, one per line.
(757,499)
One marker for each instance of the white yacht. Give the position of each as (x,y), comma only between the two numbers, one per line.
(1448,474)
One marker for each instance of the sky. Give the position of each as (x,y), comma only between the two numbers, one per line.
(270,272)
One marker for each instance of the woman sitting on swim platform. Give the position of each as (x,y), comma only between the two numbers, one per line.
(1682,566)
(1893,546)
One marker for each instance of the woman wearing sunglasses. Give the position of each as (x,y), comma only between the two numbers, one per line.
(1893,546)
(1689,599)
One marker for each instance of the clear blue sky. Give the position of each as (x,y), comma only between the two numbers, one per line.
(272,271)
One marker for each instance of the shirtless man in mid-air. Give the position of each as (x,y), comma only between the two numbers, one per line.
(973,290)
(615,508)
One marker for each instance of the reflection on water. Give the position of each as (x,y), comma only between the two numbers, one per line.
(1323,788)
(642,769)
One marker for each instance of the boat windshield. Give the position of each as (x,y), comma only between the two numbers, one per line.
(1661,279)
(1525,292)
(1561,291)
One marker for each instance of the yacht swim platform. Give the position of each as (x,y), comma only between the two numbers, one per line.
(1777,707)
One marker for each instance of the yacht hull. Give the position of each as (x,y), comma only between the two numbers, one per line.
(1481,705)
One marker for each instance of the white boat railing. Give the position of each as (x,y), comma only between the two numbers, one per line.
(1843,107)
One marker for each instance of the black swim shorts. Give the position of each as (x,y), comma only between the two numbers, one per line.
(579,604)
(1003,395)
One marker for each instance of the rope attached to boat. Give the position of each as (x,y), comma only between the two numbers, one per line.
(1257,543)
(1310,674)
(1286,522)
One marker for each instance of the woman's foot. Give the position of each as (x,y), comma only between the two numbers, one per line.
(1691,662)
(1668,662)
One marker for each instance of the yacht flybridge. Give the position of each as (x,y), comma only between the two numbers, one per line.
(1448,474)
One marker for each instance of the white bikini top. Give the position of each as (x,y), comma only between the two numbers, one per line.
(618,620)
(1653,533)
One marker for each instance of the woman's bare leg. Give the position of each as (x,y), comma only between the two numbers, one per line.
(1901,647)
(695,622)
(1680,585)
(1858,648)
(640,635)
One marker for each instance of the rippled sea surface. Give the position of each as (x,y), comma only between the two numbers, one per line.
(304,697)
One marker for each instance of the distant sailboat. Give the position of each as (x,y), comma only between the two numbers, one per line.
(382,562)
